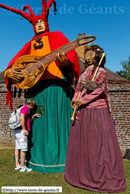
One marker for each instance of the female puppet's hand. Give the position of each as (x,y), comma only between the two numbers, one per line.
(62,59)
(78,102)
(73,104)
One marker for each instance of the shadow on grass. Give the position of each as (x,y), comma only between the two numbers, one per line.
(10,177)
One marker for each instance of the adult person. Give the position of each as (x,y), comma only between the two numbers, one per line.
(53,94)
(94,160)
(21,135)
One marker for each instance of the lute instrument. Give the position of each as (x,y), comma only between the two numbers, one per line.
(32,67)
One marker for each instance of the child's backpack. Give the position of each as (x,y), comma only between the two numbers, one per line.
(14,120)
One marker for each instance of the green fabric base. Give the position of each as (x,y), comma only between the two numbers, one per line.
(49,136)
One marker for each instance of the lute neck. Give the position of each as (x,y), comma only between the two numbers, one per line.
(64,49)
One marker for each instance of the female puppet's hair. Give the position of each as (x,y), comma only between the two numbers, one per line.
(99,51)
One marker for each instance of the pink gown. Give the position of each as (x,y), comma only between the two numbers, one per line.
(94,160)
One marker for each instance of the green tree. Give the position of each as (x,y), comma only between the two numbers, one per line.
(126,69)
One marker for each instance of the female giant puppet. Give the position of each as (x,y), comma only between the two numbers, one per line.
(48,144)
(94,160)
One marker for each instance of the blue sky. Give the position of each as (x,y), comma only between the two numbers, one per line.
(107,20)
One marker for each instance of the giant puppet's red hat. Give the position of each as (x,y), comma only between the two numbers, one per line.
(32,18)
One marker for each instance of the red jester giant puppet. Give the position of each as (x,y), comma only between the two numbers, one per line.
(53,93)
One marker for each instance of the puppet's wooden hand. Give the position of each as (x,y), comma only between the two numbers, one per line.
(78,102)
(62,59)
(72,104)
(15,74)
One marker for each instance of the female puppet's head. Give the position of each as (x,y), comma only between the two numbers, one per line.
(93,55)
(39,22)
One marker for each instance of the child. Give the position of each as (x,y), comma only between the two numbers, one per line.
(21,139)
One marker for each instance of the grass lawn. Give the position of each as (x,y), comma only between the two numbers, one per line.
(10,177)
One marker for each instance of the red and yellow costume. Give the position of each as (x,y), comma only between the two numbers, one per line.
(53,94)
(51,41)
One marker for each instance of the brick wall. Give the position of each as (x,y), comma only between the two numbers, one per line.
(120,106)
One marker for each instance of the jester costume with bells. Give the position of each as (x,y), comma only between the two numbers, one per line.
(53,93)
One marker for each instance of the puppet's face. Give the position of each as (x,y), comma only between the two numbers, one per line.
(40,26)
(90,56)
